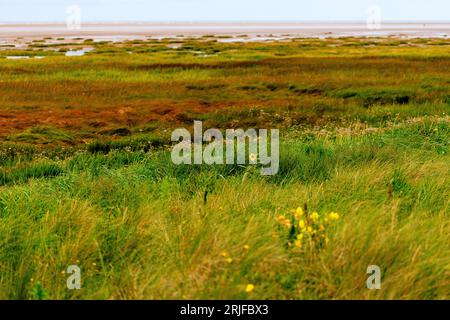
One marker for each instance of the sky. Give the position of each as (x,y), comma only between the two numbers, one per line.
(223,10)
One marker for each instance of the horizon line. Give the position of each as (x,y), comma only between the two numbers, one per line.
(225,21)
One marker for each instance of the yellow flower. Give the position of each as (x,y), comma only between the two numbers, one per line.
(249,288)
(246,247)
(310,230)
(334,216)
(321,228)
(315,216)
(298,213)
(224,254)
(300,236)
(301,224)
(229,260)
(298,243)
(280,218)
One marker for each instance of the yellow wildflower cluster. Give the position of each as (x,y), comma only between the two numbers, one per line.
(306,229)
(227,257)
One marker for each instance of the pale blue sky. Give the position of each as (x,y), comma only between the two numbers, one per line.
(224,10)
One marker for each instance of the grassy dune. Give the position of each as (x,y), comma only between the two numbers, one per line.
(86,176)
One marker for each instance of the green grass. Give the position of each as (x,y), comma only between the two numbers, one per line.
(86,176)
(140,227)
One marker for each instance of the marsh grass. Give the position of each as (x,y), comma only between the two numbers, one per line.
(42,135)
(141,227)
(365,133)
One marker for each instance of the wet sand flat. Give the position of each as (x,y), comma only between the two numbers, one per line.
(122,31)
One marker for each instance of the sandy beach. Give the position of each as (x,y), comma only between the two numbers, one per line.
(121,31)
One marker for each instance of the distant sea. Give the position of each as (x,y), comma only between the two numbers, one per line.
(255,30)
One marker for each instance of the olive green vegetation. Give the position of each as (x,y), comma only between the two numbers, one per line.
(364,132)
